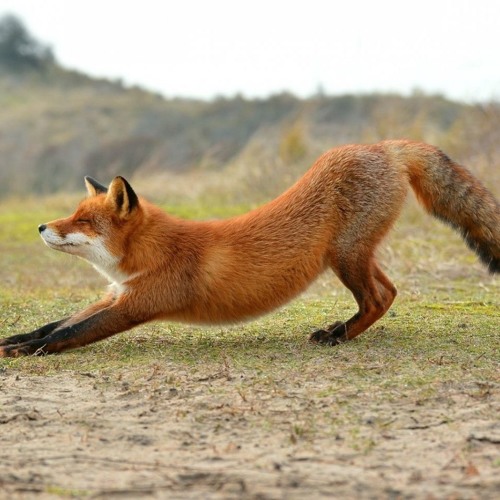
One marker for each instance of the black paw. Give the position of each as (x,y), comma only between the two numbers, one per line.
(35,348)
(9,340)
(334,334)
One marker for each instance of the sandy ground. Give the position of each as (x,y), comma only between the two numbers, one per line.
(223,434)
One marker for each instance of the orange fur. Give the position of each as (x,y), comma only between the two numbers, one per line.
(162,267)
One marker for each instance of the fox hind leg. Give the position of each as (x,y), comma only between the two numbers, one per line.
(374,294)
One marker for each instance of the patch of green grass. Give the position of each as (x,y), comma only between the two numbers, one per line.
(411,349)
(66,492)
(21,226)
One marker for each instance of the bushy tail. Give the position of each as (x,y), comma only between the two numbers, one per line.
(451,193)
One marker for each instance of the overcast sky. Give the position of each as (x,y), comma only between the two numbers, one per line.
(221,47)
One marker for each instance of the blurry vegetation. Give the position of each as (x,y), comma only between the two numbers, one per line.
(19,50)
(58,125)
(293,146)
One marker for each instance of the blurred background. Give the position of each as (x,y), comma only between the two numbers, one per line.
(222,100)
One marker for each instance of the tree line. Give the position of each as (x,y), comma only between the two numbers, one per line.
(57,125)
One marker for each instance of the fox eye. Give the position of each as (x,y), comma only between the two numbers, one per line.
(82,221)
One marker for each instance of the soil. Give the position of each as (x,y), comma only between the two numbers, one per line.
(223,434)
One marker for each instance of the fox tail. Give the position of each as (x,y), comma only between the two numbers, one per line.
(451,193)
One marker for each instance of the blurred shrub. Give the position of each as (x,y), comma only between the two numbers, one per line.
(18,49)
(293,147)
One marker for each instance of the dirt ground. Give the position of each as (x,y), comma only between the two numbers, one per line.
(218,433)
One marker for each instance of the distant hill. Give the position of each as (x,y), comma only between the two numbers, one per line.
(57,125)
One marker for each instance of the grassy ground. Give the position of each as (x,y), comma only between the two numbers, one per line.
(439,343)
(447,306)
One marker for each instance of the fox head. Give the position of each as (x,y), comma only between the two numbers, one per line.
(99,228)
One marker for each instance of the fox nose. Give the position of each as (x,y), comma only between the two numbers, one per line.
(42,228)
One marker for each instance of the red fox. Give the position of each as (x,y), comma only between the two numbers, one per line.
(162,267)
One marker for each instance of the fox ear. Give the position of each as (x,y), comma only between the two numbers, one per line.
(122,197)
(93,187)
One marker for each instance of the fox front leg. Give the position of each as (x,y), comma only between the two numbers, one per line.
(44,331)
(102,324)
(34,335)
